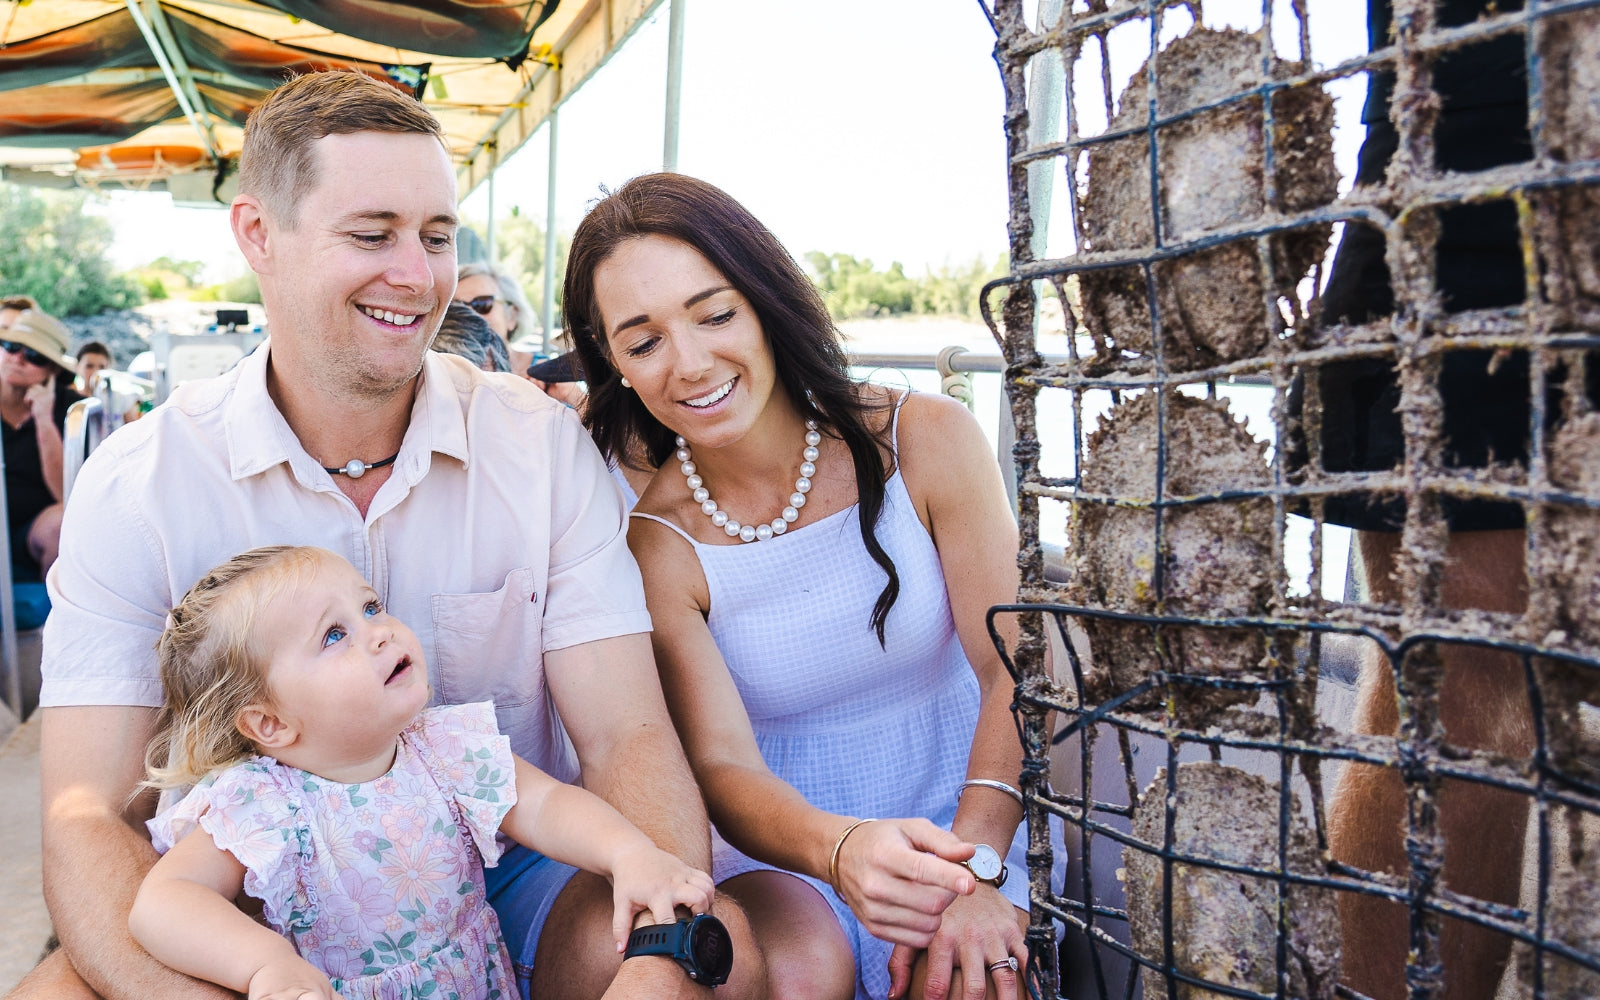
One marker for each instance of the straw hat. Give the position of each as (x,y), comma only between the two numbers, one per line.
(45,334)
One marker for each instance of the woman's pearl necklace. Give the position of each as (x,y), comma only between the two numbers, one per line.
(755,532)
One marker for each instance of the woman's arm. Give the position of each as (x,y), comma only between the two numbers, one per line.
(42,400)
(890,874)
(577,827)
(184,916)
(955,484)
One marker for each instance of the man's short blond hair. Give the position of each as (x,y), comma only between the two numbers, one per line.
(277,164)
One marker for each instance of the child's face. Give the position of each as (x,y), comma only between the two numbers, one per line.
(344,672)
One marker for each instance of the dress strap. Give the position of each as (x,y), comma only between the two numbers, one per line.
(894,426)
(662,520)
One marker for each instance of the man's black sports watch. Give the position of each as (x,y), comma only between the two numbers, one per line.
(700,944)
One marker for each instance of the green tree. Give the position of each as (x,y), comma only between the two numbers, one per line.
(853,288)
(519,245)
(53,250)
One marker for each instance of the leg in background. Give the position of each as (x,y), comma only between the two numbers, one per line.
(1483,705)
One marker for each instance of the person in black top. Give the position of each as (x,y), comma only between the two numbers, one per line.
(35,391)
(1483,123)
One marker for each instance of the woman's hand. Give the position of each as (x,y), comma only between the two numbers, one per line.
(290,978)
(648,878)
(41,400)
(976,933)
(899,875)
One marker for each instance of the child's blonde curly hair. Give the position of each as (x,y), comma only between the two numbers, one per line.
(214,664)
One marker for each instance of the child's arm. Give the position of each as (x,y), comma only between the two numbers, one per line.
(577,827)
(184,916)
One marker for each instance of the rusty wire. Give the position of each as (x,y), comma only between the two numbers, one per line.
(1553,325)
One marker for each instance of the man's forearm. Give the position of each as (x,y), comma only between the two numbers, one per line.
(93,866)
(647,779)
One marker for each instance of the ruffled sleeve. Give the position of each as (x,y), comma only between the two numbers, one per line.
(251,812)
(472,762)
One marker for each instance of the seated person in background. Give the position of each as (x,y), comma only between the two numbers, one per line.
(94,358)
(843,670)
(498,298)
(466,333)
(12,306)
(35,392)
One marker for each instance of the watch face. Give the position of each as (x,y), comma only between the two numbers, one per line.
(985,863)
(711,948)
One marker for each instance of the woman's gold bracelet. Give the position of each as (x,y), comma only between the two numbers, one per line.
(833,859)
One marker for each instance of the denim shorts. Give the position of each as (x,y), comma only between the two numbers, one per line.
(522,888)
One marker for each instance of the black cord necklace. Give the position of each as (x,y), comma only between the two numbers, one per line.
(357,468)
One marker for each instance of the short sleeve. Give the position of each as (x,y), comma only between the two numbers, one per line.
(594,588)
(250,812)
(472,762)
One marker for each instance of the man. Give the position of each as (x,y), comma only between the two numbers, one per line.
(477,507)
(94,358)
(12,306)
(35,394)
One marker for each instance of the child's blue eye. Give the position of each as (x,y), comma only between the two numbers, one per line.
(373,609)
(333,635)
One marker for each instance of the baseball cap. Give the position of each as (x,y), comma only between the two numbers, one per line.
(561,368)
(43,333)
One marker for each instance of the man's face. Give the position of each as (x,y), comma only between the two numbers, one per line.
(356,289)
(89,368)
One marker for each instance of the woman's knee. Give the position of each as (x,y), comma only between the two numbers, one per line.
(802,946)
(44,536)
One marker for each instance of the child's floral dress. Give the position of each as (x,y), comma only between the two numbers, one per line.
(380,884)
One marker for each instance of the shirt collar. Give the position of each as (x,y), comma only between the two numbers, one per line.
(259,437)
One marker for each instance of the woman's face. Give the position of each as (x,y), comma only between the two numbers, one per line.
(687,339)
(481,291)
(17,370)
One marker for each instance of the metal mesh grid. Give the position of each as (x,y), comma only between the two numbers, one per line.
(1269,708)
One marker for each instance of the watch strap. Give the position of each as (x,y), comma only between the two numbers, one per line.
(656,939)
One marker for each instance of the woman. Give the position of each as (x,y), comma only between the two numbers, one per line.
(35,392)
(828,662)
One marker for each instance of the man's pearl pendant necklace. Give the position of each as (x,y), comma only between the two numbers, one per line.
(755,532)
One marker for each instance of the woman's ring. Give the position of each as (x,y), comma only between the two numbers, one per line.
(1009,962)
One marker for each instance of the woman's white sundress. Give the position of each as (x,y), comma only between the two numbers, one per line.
(378,884)
(856,728)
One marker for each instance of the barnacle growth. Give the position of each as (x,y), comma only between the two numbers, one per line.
(1210,176)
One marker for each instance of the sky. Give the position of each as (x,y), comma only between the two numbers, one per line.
(866,127)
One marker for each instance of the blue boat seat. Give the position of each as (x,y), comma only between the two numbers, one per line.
(32,604)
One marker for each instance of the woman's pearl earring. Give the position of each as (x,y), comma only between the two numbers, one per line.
(625,383)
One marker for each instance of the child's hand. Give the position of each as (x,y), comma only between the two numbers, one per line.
(290,978)
(647,878)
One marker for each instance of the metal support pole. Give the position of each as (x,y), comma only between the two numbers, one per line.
(1046,88)
(547,308)
(488,238)
(202,128)
(669,152)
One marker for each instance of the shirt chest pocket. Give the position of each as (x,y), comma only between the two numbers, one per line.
(491,646)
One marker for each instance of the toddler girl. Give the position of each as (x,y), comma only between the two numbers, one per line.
(358,818)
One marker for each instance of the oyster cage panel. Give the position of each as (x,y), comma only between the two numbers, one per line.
(1448,407)
(1198,839)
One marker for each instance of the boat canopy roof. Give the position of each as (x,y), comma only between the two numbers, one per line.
(153,94)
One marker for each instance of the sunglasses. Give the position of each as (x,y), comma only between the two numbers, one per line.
(483,305)
(28,353)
